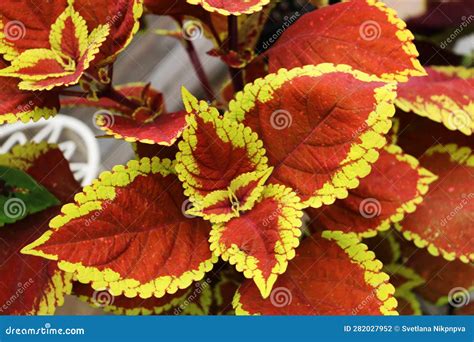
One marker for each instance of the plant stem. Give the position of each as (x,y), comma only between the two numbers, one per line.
(73,93)
(235,73)
(116,96)
(196,62)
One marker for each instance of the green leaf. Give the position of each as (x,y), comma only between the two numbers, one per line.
(21,195)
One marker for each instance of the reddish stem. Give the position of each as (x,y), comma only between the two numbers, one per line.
(196,62)
(235,73)
(118,97)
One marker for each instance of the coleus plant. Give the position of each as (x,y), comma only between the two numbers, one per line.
(263,200)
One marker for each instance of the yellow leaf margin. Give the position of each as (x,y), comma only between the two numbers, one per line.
(361,256)
(289,222)
(425,179)
(360,155)
(91,199)
(256,8)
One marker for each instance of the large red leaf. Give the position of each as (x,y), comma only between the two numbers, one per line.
(364,34)
(215,150)
(443,221)
(194,300)
(72,49)
(262,240)
(18,105)
(128,233)
(235,7)
(30,285)
(443,279)
(445,95)
(331,275)
(321,126)
(395,187)
(26,24)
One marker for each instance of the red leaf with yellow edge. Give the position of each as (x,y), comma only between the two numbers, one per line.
(445,95)
(405,280)
(325,270)
(416,134)
(127,233)
(141,93)
(236,7)
(440,276)
(443,221)
(29,23)
(395,187)
(321,126)
(190,301)
(29,285)
(215,150)
(364,34)
(240,196)
(46,164)
(18,105)
(163,129)
(261,241)
(71,52)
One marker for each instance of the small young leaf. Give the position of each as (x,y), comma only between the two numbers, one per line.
(261,241)
(21,195)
